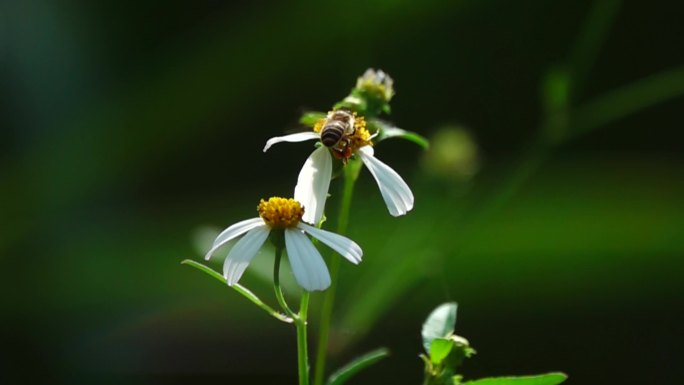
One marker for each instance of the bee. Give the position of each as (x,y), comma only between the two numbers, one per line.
(337,129)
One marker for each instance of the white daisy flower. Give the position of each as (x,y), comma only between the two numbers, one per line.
(343,134)
(281,214)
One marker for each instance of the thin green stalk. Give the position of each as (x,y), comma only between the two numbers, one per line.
(276,284)
(240,289)
(299,319)
(302,348)
(324,327)
(590,38)
(628,99)
(351,172)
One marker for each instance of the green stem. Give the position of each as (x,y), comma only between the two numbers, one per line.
(299,319)
(276,284)
(240,289)
(302,349)
(590,38)
(351,172)
(324,328)
(625,100)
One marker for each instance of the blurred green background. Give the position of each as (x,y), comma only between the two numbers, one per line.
(550,205)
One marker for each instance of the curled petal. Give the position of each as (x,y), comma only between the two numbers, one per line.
(242,253)
(233,231)
(343,245)
(395,192)
(307,264)
(313,183)
(298,137)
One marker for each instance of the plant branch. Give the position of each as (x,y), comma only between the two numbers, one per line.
(240,289)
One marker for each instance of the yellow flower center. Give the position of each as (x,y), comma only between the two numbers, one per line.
(280,213)
(361,135)
(319,125)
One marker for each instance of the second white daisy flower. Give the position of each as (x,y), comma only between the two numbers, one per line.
(280,214)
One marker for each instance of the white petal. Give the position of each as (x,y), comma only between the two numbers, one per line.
(242,253)
(232,232)
(313,183)
(307,264)
(396,193)
(298,137)
(343,245)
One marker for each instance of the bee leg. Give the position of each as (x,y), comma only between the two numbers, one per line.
(343,150)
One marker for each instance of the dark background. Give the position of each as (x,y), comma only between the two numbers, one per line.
(128,127)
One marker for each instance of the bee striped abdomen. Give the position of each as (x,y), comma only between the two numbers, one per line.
(332,133)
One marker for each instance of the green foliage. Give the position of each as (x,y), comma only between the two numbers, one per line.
(205,269)
(447,352)
(354,103)
(366,103)
(387,131)
(440,349)
(346,372)
(240,289)
(439,324)
(310,118)
(371,95)
(541,379)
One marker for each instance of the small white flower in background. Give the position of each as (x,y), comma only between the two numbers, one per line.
(314,178)
(372,93)
(376,82)
(281,214)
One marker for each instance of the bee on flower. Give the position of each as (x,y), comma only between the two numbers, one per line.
(282,218)
(342,131)
(343,135)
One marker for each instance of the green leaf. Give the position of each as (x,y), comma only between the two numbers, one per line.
(628,99)
(540,379)
(240,289)
(387,131)
(440,349)
(310,118)
(355,103)
(439,324)
(346,372)
(204,268)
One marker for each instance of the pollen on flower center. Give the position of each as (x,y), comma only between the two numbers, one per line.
(280,213)
(319,125)
(361,135)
